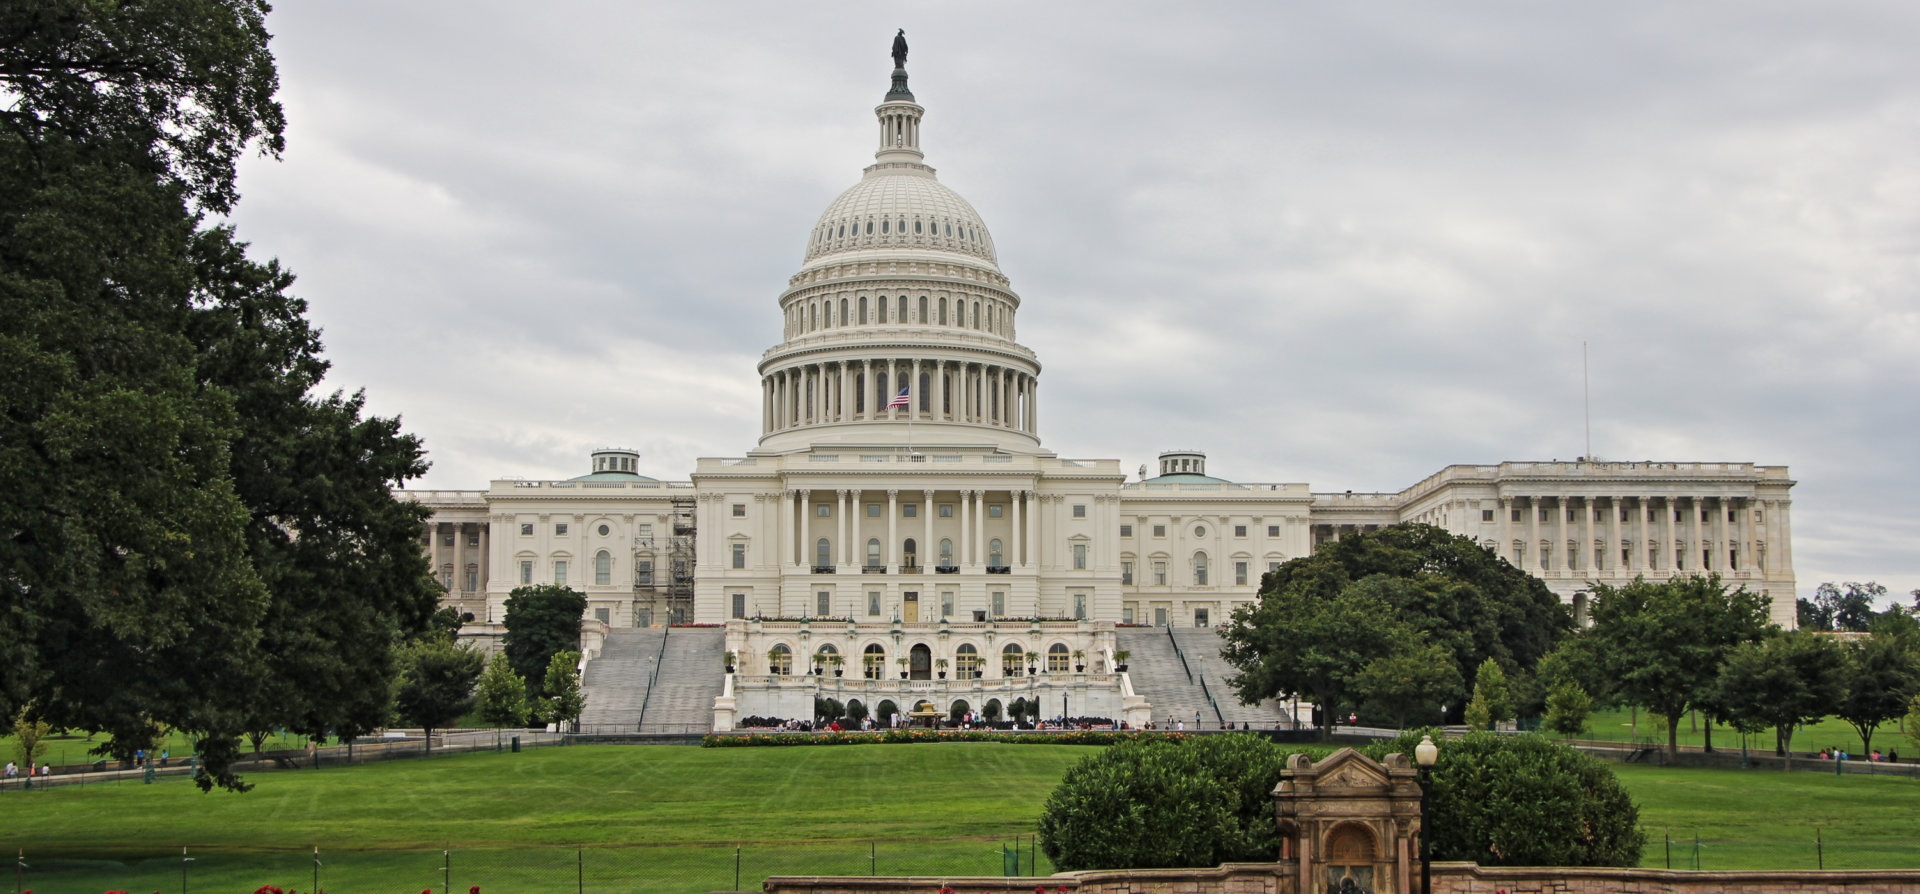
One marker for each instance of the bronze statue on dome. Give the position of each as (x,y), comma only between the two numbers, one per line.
(900,49)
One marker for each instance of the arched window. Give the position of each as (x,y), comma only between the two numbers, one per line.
(823,554)
(943,311)
(863,309)
(923,307)
(873,552)
(883,227)
(910,552)
(1013,661)
(873,662)
(843,311)
(602,568)
(993,553)
(900,310)
(1199,569)
(946,553)
(925,390)
(780,660)
(966,661)
(1057,658)
(813,317)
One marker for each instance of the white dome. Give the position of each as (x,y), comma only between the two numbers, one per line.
(900,206)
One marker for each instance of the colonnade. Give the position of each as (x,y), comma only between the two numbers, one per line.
(1634,534)
(848,528)
(441,557)
(939,390)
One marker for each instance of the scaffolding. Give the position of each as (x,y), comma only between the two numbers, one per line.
(663,571)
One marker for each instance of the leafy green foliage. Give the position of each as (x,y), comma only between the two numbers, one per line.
(1783,681)
(436,683)
(541,620)
(1411,683)
(1297,641)
(1525,801)
(1568,707)
(1165,802)
(501,697)
(1491,690)
(562,701)
(1847,606)
(1880,676)
(29,735)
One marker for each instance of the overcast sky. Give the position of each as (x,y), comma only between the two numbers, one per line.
(1337,243)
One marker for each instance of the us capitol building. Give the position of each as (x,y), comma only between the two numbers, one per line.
(900,535)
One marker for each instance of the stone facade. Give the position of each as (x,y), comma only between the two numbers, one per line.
(1448,878)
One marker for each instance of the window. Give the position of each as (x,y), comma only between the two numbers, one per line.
(1057,658)
(966,661)
(822,604)
(1599,557)
(643,573)
(1013,661)
(1239,530)
(447,540)
(873,552)
(1200,617)
(999,604)
(873,510)
(1079,606)
(1273,530)
(560,572)
(739,605)
(1159,617)
(1486,515)
(1126,573)
(1126,530)
(1273,566)
(560,529)
(780,660)
(909,510)
(1543,515)
(602,568)
(473,539)
(946,605)
(1159,530)
(946,510)
(995,510)
(1126,615)
(873,661)
(1199,530)
(1240,574)
(1199,569)
(1516,515)
(994,555)
(873,604)
(910,553)
(1079,557)
(823,510)
(1079,510)
(1159,574)
(645,531)
(1757,519)
(603,615)
(526,530)
(739,555)
(526,573)
(946,553)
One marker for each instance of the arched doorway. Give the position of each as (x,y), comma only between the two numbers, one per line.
(992,710)
(884,713)
(909,554)
(1350,854)
(958,710)
(920,662)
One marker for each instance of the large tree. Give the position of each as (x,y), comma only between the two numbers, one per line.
(1660,645)
(1880,676)
(1297,642)
(1847,606)
(542,620)
(1783,681)
(436,683)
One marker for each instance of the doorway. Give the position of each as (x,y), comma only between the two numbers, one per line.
(920,662)
(910,608)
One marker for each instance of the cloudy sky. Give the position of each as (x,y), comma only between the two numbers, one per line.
(1344,244)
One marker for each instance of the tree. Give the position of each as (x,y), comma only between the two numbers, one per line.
(1880,676)
(1459,595)
(1294,641)
(1568,707)
(1910,724)
(561,700)
(1156,802)
(1660,645)
(1783,681)
(501,698)
(542,620)
(1490,688)
(1412,682)
(436,683)
(29,738)
(1848,606)
(1526,801)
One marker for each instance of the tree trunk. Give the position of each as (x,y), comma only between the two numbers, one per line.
(1709,728)
(1673,736)
(1784,734)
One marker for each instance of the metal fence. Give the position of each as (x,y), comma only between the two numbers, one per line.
(1808,848)
(665,868)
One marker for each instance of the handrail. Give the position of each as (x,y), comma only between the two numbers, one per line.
(1218,715)
(653,678)
(1179,654)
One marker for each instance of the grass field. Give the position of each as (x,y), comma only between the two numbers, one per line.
(1620,726)
(670,818)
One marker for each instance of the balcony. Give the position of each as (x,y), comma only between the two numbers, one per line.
(909,569)
(946,569)
(999,569)
(823,569)
(873,569)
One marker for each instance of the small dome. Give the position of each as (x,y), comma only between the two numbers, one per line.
(900,206)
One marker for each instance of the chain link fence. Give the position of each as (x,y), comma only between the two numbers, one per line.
(618,870)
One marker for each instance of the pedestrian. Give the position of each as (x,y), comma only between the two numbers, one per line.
(46,770)
(12,770)
(1196,720)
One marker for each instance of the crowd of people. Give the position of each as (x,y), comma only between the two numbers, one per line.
(13,770)
(1829,754)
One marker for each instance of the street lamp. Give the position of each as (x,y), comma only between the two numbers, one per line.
(1425,754)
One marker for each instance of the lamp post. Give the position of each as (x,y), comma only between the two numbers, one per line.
(1425,754)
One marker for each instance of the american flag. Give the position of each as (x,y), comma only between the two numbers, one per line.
(899,400)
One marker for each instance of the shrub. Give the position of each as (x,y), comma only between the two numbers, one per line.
(1166,802)
(1526,801)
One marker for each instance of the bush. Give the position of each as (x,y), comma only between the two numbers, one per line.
(1166,802)
(1525,801)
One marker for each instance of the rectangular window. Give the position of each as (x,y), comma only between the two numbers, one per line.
(559,529)
(946,605)
(447,540)
(1079,557)
(643,573)
(1597,516)
(1126,615)
(1239,530)
(1159,530)
(1570,515)
(602,569)
(873,510)
(1126,530)
(946,510)
(739,555)
(526,530)
(1626,557)
(1126,574)
(526,573)
(823,510)
(873,604)
(1543,515)
(1240,573)
(1516,515)
(1159,617)
(1756,517)
(1159,574)
(1200,617)
(1599,557)
(910,510)
(1079,510)
(1273,566)
(603,615)
(739,605)
(994,510)
(999,604)
(1273,530)
(822,604)
(473,539)
(643,531)
(560,572)
(1079,606)
(1486,515)
(739,510)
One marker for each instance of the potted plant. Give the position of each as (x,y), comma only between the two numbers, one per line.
(874,663)
(773,660)
(730,658)
(1010,664)
(902,661)
(1079,661)
(1120,660)
(819,663)
(941,663)
(836,660)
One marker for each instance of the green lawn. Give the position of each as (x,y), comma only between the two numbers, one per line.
(1620,726)
(670,818)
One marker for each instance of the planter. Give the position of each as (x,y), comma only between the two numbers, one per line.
(1079,668)
(943,675)
(838,672)
(1120,668)
(903,675)
(729,668)
(978,674)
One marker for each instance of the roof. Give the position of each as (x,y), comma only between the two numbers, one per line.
(613,476)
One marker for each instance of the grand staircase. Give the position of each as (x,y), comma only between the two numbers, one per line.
(654,680)
(1180,671)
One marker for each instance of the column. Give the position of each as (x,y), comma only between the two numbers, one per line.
(1016,546)
(1586,538)
(1779,521)
(486,555)
(929,548)
(1033,527)
(1722,538)
(966,529)
(800,527)
(459,559)
(1534,552)
(1033,407)
(841,551)
(1506,526)
(893,520)
(913,402)
(979,527)
(939,389)
(1613,539)
(786,521)
(1670,536)
(857,545)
